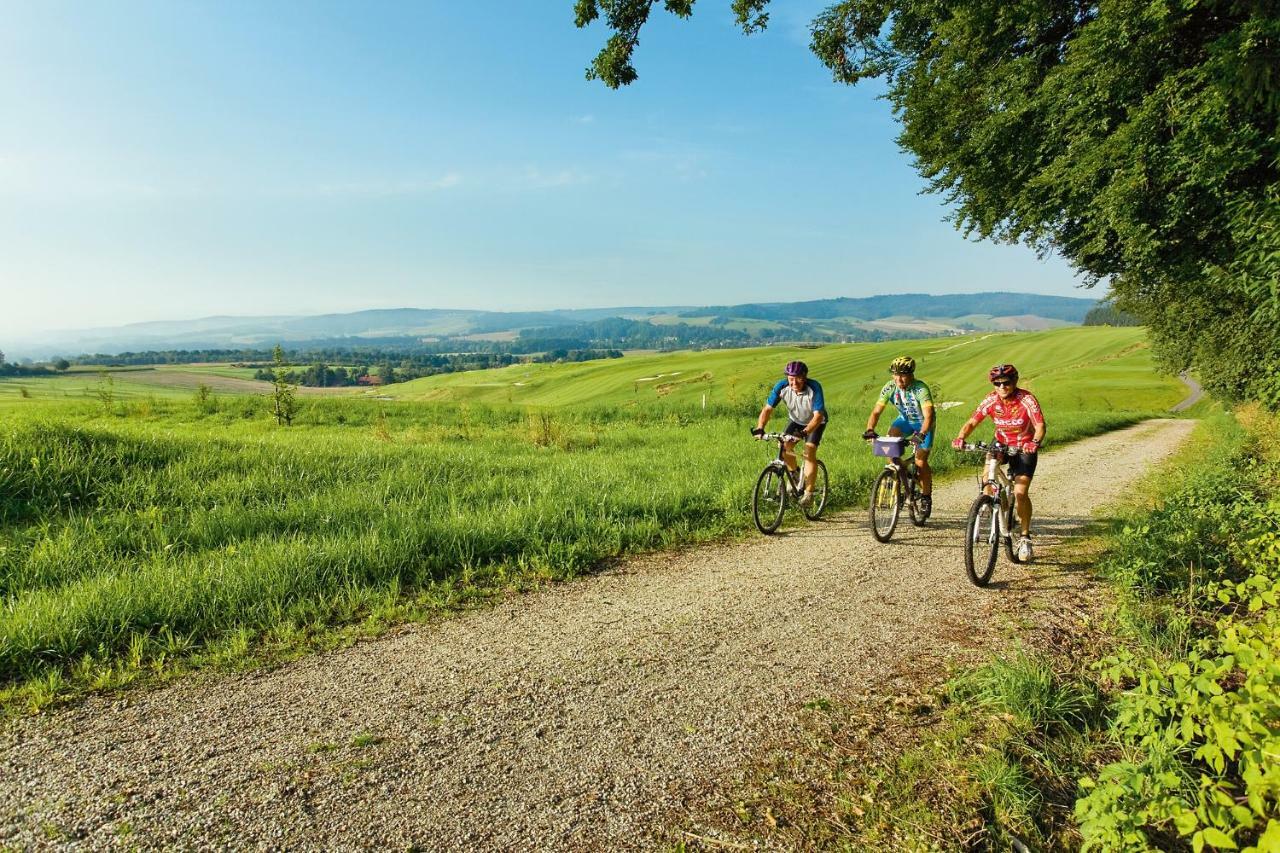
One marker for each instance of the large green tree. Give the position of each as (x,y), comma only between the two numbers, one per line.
(1137,138)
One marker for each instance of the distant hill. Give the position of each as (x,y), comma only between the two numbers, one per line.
(824,320)
(1065,308)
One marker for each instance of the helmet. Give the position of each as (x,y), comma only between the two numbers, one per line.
(1003,371)
(903,364)
(797,368)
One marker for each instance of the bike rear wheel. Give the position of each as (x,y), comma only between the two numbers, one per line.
(814,509)
(769,500)
(884,505)
(982,541)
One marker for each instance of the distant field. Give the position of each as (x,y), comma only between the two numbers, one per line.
(148,530)
(164,381)
(1052,363)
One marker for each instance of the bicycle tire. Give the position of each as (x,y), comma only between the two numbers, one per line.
(1010,518)
(769,499)
(885,506)
(814,509)
(981,543)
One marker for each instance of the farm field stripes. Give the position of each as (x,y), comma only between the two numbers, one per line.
(1056,363)
(150,530)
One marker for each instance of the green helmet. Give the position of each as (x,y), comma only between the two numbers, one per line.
(903,364)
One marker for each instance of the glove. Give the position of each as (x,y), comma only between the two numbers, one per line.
(757,431)
(1030,446)
(870,434)
(957,443)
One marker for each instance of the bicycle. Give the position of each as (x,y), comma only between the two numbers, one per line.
(777,485)
(898,484)
(991,515)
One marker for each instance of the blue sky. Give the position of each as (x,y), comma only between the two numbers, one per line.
(176,159)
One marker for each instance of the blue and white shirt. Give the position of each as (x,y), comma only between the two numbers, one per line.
(800,404)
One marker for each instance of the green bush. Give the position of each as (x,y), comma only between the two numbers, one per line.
(1199,733)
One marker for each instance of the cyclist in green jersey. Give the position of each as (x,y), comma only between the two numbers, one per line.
(914,402)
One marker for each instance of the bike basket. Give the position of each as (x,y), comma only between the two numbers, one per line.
(888,446)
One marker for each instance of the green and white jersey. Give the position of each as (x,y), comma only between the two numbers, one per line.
(908,401)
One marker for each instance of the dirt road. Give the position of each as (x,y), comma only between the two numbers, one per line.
(586,715)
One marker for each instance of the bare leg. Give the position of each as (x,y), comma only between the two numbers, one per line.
(810,466)
(1022,501)
(924,472)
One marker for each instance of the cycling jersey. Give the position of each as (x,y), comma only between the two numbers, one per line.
(1015,418)
(908,401)
(800,404)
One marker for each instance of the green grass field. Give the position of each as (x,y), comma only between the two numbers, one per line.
(147,531)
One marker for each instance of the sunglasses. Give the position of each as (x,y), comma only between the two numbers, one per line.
(1002,383)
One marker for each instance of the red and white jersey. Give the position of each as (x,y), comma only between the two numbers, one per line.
(1015,418)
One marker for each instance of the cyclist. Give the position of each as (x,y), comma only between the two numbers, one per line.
(808,419)
(1019,423)
(914,402)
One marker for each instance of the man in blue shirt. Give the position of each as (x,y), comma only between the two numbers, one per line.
(808,418)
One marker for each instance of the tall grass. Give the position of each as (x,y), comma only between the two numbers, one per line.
(117,526)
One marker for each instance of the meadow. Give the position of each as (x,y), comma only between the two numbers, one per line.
(150,531)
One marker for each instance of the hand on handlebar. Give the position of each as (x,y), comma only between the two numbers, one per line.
(757,432)
(1030,446)
(870,434)
(957,443)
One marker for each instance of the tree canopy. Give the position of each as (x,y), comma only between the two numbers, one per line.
(1137,138)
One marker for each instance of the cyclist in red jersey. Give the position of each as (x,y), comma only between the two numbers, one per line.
(1019,423)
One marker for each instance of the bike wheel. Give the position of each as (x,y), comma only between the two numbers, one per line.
(884,505)
(913,502)
(815,509)
(982,543)
(769,500)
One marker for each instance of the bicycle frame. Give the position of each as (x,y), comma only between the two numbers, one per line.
(996,483)
(906,470)
(795,478)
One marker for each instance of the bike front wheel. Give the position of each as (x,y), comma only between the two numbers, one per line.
(884,505)
(769,500)
(982,540)
(814,509)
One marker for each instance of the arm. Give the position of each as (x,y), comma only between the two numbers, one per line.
(927,408)
(814,422)
(1032,405)
(819,409)
(970,425)
(765,414)
(875,416)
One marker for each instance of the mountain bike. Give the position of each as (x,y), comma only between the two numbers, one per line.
(991,517)
(897,485)
(776,486)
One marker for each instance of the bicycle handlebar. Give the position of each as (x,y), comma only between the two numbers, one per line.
(779,436)
(915,438)
(993,447)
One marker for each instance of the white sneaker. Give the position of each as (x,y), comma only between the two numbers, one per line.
(806,499)
(1025,553)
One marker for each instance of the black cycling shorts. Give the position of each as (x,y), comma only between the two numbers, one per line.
(1023,463)
(814,438)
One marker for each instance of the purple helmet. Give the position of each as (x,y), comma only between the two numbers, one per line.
(796,368)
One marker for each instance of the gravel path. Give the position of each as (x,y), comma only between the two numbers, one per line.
(579,716)
(1194,395)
